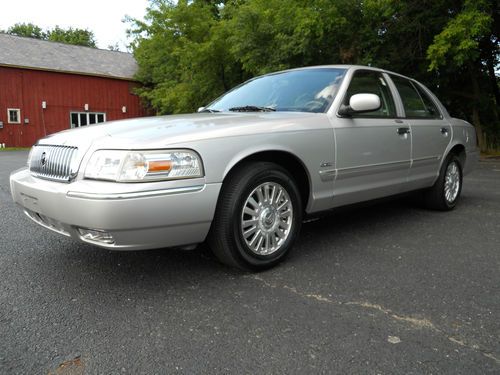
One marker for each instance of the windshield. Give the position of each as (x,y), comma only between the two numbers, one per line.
(307,90)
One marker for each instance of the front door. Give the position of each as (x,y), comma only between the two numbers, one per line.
(373,149)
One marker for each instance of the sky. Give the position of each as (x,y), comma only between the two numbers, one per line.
(103,17)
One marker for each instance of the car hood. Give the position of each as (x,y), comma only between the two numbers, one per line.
(149,132)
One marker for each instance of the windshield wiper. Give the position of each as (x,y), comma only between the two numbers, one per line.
(252,108)
(209,110)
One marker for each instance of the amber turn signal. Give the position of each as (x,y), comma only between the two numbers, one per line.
(159,166)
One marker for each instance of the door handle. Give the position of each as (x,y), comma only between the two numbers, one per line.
(444,131)
(403,131)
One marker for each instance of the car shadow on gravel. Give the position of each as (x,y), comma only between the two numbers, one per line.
(177,265)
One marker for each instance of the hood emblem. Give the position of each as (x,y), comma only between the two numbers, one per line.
(43,159)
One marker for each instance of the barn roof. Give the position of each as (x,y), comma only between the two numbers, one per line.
(38,54)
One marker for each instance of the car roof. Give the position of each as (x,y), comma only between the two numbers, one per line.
(342,66)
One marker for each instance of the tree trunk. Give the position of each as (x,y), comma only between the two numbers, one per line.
(493,81)
(476,121)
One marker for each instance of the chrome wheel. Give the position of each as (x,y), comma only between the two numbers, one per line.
(452,182)
(266,218)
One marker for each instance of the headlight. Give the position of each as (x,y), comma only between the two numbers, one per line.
(143,166)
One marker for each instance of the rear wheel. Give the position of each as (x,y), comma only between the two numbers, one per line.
(258,217)
(446,191)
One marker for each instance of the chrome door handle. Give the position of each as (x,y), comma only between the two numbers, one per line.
(403,131)
(444,131)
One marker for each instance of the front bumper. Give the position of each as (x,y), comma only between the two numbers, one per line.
(137,216)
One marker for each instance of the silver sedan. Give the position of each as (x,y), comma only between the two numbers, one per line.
(244,171)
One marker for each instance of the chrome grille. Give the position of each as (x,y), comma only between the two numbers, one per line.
(53,162)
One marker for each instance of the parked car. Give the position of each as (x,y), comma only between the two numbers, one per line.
(243,172)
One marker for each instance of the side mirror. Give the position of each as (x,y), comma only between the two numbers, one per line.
(360,103)
(201,109)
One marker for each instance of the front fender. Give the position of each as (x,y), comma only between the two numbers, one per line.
(312,149)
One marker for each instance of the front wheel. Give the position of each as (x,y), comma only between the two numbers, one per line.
(258,217)
(446,191)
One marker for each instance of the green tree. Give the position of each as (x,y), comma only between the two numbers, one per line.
(76,36)
(114,47)
(266,36)
(189,52)
(458,43)
(28,30)
(182,49)
(458,46)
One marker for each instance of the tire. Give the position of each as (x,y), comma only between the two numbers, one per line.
(445,193)
(254,227)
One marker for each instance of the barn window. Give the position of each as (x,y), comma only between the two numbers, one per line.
(78,119)
(14,115)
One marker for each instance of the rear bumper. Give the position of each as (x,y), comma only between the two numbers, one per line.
(157,215)
(471,161)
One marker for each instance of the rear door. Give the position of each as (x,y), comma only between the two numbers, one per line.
(373,149)
(431,132)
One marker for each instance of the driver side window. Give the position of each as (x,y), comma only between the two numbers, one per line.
(370,82)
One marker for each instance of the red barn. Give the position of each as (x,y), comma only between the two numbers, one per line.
(46,87)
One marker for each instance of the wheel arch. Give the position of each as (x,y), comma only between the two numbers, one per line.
(434,197)
(284,158)
(459,151)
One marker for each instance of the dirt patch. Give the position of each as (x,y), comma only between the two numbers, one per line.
(71,367)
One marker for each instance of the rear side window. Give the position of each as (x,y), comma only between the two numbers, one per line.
(428,102)
(416,102)
(370,82)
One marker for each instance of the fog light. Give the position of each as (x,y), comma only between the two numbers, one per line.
(96,235)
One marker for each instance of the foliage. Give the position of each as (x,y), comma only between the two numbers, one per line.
(189,52)
(28,30)
(114,47)
(459,40)
(468,45)
(76,36)
(182,55)
(80,37)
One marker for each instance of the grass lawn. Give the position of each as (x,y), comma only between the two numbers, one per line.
(14,149)
(490,154)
